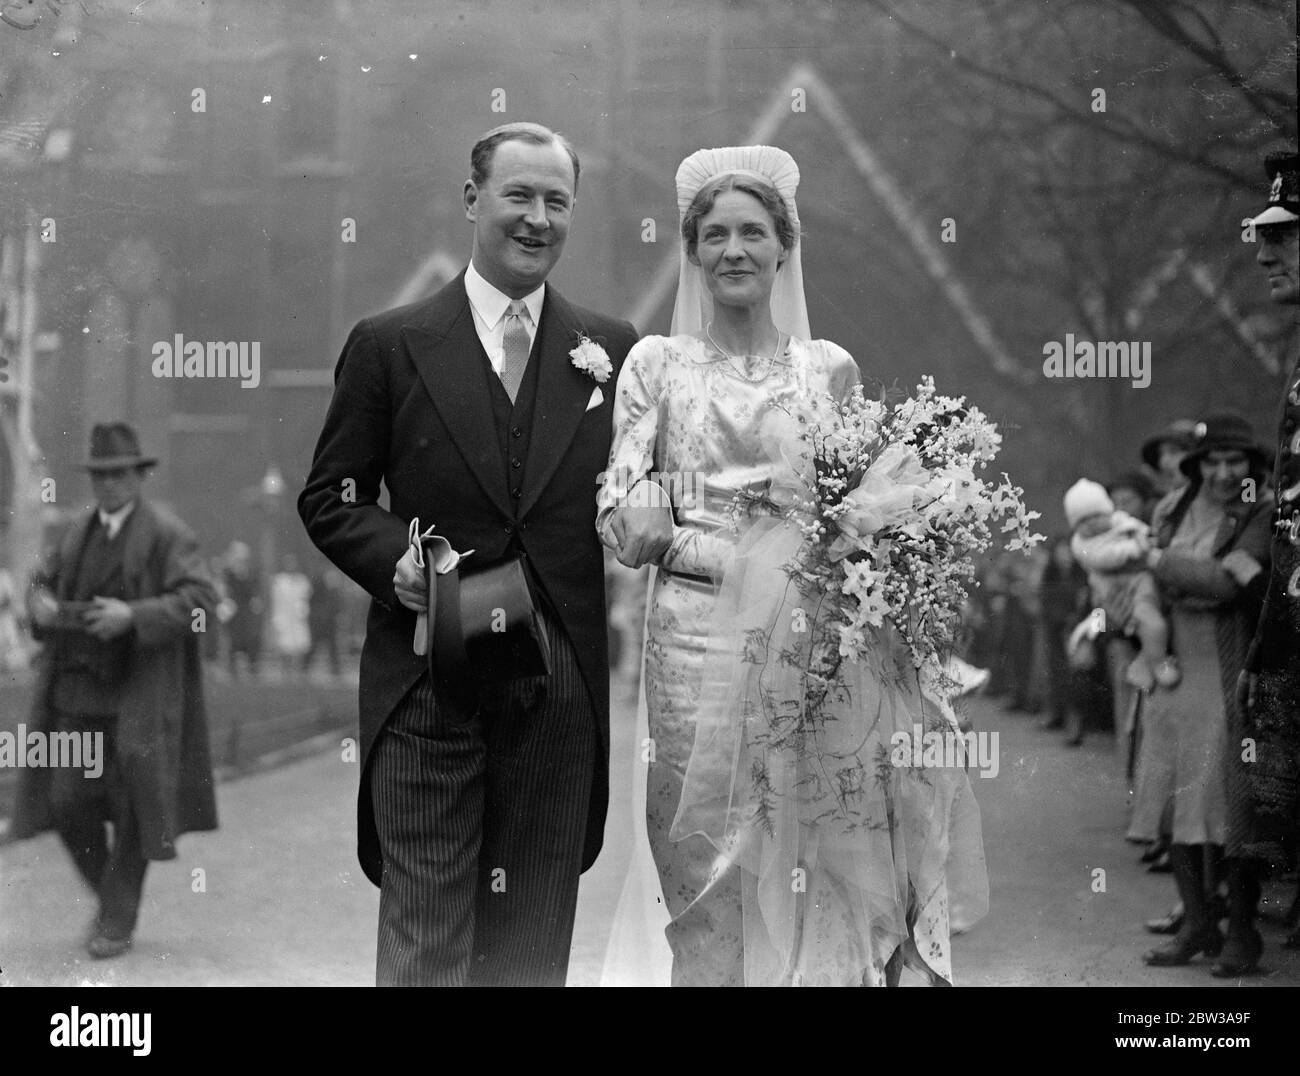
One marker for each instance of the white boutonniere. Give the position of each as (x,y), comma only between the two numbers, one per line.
(590,358)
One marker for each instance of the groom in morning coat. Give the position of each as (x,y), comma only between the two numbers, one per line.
(476,820)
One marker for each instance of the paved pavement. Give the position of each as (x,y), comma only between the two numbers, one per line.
(283,901)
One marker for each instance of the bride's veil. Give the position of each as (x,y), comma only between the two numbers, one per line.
(638,953)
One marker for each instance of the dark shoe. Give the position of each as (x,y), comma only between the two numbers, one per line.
(104,948)
(1161,865)
(1184,947)
(1218,907)
(1240,956)
(1051,724)
(1155,850)
(1166,924)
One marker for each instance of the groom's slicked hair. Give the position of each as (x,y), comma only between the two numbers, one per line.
(480,157)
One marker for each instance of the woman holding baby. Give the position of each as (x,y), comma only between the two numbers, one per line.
(1209,556)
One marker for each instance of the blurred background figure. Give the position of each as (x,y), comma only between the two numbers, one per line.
(290,615)
(977,642)
(213,646)
(1022,658)
(1164,451)
(1133,492)
(13,654)
(325,606)
(114,599)
(1063,601)
(244,609)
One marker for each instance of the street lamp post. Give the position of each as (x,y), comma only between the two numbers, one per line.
(270,495)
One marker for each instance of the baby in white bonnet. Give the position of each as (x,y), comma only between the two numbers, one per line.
(1112,547)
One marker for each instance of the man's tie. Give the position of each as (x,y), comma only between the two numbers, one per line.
(514,346)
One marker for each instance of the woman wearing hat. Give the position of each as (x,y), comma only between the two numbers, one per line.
(1210,559)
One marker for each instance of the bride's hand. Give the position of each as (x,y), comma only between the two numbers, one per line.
(643,530)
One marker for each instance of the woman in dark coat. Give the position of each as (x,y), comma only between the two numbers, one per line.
(1210,560)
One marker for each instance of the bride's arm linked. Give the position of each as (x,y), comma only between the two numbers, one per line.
(639,410)
(642,507)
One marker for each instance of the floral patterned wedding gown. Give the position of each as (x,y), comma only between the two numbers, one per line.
(714,429)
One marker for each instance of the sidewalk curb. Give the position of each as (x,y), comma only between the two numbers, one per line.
(282,756)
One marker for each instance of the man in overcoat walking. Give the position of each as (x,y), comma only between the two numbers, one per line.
(120,603)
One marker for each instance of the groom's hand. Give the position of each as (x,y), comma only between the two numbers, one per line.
(643,528)
(409,583)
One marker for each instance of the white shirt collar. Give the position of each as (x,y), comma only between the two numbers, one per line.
(491,304)
(112,521)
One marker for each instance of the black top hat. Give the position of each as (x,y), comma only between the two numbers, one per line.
(1180,432)
(114,445)
(1226,431)
(1283,170)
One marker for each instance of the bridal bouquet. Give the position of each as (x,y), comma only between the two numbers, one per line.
(877,552)
(898,512)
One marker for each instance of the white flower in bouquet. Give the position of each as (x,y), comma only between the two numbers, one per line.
(853,641)
(864,584)
(955,491)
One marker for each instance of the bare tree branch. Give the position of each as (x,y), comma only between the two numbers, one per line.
(1120,128)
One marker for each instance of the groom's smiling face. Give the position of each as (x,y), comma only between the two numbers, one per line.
(521,215)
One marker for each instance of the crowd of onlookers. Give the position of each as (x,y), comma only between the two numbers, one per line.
(1140,621)
(287,626)
(1035,623)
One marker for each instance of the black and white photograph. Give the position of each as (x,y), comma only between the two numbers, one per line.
(595,493)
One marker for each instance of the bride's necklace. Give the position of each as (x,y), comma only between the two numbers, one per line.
(742,368)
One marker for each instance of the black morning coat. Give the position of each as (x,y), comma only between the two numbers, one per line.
(412,408)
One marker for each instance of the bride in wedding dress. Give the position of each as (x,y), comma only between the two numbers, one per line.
(736,881)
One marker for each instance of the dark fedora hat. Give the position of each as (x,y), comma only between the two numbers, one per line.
(114,445)
(1226,431)
(1180,432)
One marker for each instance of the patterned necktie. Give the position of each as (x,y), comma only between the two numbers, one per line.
(514,347)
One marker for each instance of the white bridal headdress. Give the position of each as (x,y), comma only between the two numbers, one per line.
(694,306)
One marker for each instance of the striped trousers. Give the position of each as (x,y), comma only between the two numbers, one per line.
(481,819)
